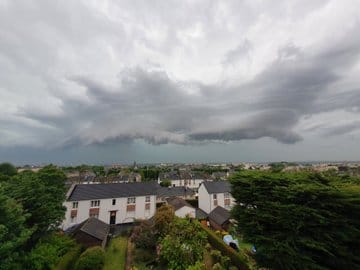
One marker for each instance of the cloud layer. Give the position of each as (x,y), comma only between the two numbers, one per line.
(93,72)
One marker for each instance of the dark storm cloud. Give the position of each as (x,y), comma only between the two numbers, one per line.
(342,129)
(91,74)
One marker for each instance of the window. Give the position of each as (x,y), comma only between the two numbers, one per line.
(131,200)
(147,199)
(75,205)
(227,195)
(215,196)
(113,201)
(95,203)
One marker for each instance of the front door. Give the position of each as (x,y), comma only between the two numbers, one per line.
(112,217)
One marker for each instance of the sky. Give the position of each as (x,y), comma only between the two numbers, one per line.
(179,81)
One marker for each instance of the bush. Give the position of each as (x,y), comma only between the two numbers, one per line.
(69,259)
(216,255)
(47,253)
(197,266)
(91,259)
(225,261)
(144,236)
(236,258)
(217,266)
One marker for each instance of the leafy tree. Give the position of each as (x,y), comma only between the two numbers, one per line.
(98,170)
(41,195)
(164,217)
(184,245)
(13,232)
(277,166)
(197,266)
(299,220)
(165,183)
(7,169)
(145,236)
(48,252)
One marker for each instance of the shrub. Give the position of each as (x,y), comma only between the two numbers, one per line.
(236,258)
(69,259)
(91,259)
(197,266)
(217,266)
(47,252)
(225,261)
(144,236)
(216,255)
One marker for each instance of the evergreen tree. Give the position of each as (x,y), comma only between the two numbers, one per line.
(299,221)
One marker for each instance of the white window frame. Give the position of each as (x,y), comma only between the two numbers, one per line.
(131,200)
(75,205)
(227,195)
(147,199)
(113,202)
(215,196)
(95,203)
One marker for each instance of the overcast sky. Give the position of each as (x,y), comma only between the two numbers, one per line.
(179,81)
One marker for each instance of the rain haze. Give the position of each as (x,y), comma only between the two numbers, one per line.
(179,81)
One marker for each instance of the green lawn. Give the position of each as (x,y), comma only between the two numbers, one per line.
(115,254)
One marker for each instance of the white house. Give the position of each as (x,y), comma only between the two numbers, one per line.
(189,180)
(213,194)
(181,207)
(113,203)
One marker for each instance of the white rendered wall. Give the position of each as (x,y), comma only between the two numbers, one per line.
(206,200)
(122,216)
(185,211)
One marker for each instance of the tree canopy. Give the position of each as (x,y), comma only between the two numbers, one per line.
(30,210)
(299,220)
(7,169)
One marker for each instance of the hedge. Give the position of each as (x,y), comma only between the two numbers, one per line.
(69,259)
(91,259)
(237,259)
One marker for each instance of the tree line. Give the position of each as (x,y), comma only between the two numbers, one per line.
(299,220)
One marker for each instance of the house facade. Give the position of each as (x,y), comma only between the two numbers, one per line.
(185,179)
(113,203)
(215,193)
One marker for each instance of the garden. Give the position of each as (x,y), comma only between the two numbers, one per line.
(169,242)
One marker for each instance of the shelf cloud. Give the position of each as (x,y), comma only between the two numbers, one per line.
(102,72)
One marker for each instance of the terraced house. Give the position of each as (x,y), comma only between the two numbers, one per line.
(114,203)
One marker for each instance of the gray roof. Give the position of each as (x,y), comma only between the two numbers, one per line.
(217,186)
(219,215)
(174,191)
(177,203)
(83,192)
(95,228)
(200,214)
